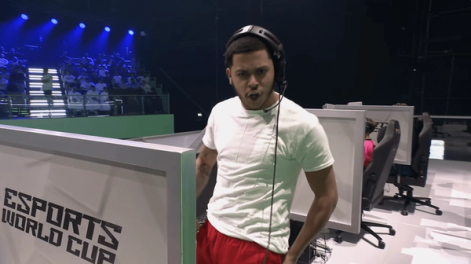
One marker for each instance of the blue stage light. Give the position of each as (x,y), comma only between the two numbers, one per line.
(25,17)
(131,32)
(107,29)
(54,21)
(82,25)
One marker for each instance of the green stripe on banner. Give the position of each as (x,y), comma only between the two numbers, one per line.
(121,127)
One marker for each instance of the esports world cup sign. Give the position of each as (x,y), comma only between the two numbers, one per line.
(21,211)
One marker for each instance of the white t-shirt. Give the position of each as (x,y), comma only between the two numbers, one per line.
(3,84)
(3,62)
(93,96)
(104,97)
(69,78)
(48,85)
(146,87)
(102,73)
(75,97)
(117,78)
(86,85)
(100,86)
(245,140)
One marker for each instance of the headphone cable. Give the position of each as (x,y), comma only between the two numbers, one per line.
(274,173)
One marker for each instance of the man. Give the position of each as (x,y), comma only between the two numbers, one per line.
(68,79)
(146,87)
(47,86)
(134,84)
(3,61)
(93,98)
(100,86)
(18,79)
(3,85)
(240,135)
(87,84)
(123,84)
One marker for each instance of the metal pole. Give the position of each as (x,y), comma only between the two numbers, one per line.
(9,107)
(142,103)
(452,67)
(424,58)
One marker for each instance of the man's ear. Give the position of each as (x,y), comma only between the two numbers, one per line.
(228,73)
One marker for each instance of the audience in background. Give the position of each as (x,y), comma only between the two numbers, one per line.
(100,86)
(146,88)
(3,85)
(82,78)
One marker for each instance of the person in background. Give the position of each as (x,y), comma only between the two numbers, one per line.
(100,86)
(92,95)
(146,88)
(74,96)
(123,84)
(3,85)
(18,79)
(370,126)
(83,77)
(107,79)
(68,79)
(117,78)
(3,61)
(133,84)
(47,86)
(95,78)
(87,84)
(102,71)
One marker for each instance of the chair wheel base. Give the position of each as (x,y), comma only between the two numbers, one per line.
(392,232)
(338,239)
(381,244)
(404,212)
(438,212)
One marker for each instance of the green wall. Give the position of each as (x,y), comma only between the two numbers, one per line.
(122,127)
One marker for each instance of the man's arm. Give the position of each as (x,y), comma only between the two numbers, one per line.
(323,185)
(204,166)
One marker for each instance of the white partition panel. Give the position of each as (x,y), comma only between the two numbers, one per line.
(192,139)
(346,132)
(78,199)
(382,115)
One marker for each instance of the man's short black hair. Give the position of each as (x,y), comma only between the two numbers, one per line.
(244,45)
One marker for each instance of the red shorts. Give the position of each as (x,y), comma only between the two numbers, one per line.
(214,247)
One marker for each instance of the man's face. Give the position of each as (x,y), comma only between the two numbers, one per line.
(252,76)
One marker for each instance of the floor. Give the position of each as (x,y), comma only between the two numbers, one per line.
(422,236)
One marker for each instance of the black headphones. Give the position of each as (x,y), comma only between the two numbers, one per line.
(277,49)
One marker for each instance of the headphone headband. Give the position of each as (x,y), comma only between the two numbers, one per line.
(270,39)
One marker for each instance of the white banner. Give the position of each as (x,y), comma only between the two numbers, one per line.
(67,209)
(381,115)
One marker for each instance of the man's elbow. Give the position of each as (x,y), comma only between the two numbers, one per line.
(329,202)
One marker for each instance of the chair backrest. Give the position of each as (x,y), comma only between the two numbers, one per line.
(377,172)
(422,152)
(381,133)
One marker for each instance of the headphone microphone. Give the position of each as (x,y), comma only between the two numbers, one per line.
(279,61)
